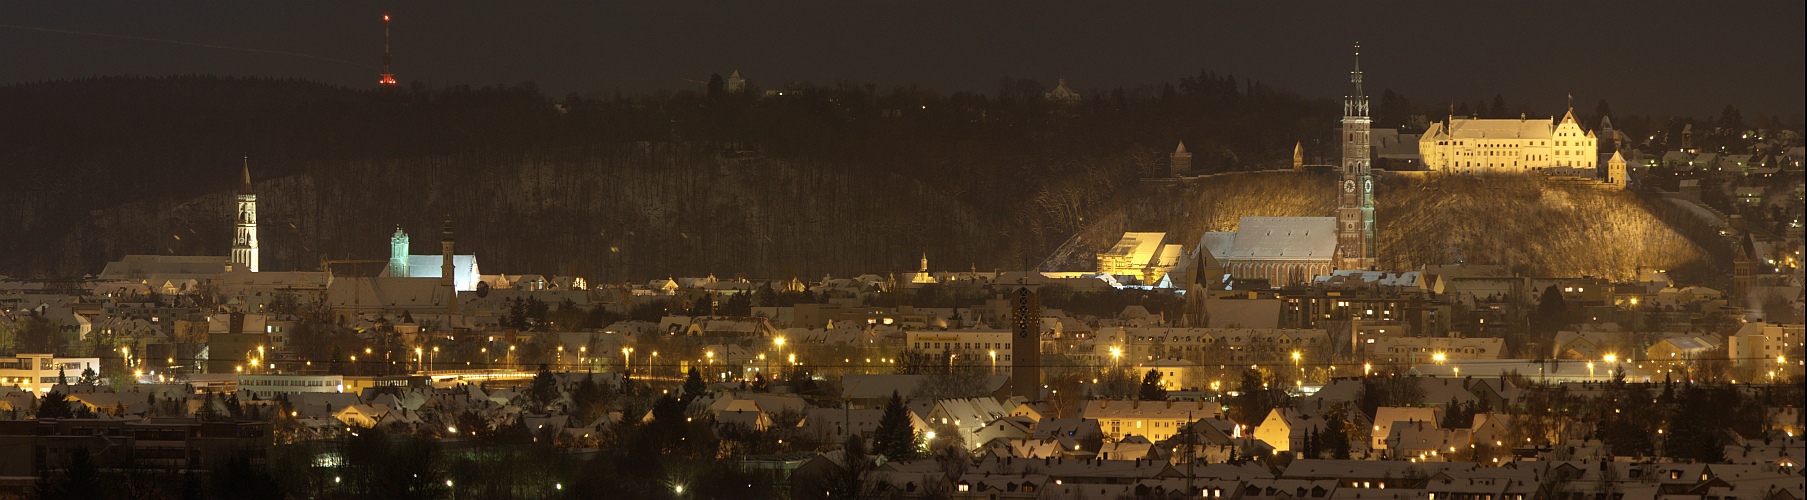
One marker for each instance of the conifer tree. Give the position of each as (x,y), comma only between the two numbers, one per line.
(895,438)
(694,386)
(1152,390)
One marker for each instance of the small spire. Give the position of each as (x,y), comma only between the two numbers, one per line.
(245,186)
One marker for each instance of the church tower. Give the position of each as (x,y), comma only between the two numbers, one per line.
(398,253)
(1616,172)
(1355,209)
(244,241)
(448,277)
(1026,341)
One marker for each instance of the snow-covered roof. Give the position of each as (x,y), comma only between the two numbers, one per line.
(1284,238)
(1490,128)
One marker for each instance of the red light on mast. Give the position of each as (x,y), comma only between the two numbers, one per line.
(388,77)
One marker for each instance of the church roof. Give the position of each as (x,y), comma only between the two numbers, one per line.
(1181,150)
(386,292)
(1285,238)
(166,266)
(1218,243)
(464,269)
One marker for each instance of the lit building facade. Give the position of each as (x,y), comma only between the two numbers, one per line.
(1482,145)
(244,240)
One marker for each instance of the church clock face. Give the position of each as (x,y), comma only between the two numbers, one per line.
(1368,186)
(1349,186)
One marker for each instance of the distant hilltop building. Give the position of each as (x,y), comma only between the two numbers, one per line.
(736,84)
(1062,94)
(1484,145)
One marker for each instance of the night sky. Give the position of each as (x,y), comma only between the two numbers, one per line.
(1659,58)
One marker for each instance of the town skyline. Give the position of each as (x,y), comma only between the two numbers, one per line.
(1208,288)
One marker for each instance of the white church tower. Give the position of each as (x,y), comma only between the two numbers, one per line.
(244,243)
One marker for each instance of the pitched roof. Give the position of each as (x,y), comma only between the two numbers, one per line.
(1491,128)
(1284,238)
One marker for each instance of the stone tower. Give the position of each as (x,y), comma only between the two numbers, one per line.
(447,271)
(1616,172)
(1204,275)
(398,254)
(1025,341)
(1181,162)
(1299,156)
(244,241)
(1744,266)
(1355,208)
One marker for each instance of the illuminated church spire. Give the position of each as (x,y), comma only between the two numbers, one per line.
(1355,212)
(244,240)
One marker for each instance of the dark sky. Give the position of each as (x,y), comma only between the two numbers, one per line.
(1643,57)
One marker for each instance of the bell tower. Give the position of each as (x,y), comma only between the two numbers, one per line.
(1355,207)
(244,239)
(447,276)
(398,254)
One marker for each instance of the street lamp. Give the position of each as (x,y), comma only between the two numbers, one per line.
(994,362)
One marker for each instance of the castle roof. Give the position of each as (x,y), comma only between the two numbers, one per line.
(1489,128)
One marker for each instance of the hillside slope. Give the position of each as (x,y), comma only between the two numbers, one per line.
(1535,226)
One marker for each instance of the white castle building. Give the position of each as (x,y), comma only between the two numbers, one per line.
(1482,145)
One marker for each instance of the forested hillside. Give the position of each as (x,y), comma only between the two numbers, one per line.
(819,180)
